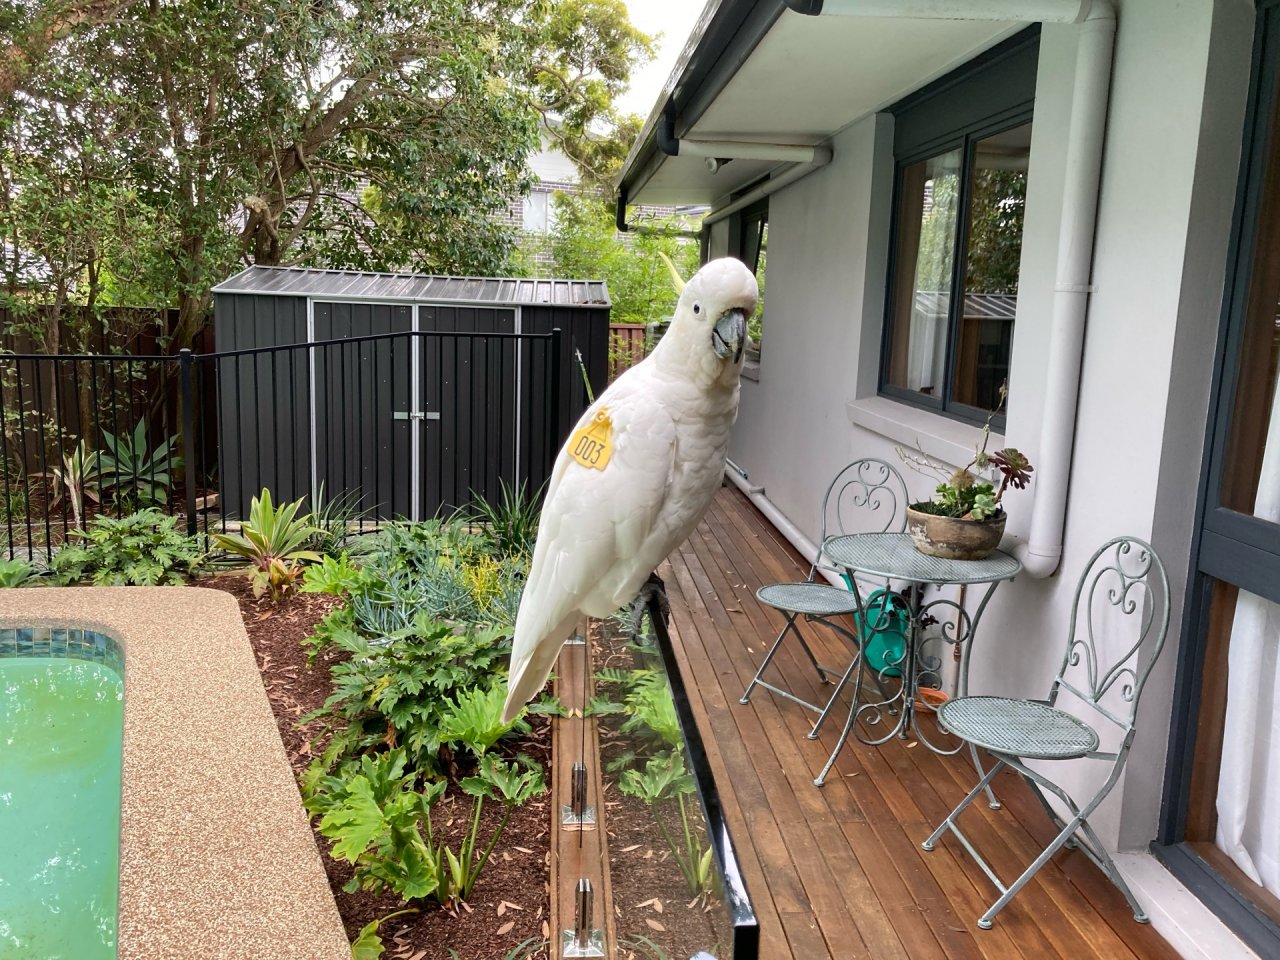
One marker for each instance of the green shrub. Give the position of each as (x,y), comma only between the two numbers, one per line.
(513,522)
(15,572)
(395,691)
(137,476)
(143,549)
(380,824)
(274,541)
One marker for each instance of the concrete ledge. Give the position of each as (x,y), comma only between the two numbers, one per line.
(940,437)
(217,859)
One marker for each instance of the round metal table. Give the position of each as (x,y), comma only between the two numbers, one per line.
(892,558)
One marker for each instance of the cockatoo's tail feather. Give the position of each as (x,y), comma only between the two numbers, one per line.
(604,530)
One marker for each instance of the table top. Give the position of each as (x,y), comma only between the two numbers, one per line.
(893,555)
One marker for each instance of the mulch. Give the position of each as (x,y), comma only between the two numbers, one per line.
(511,900)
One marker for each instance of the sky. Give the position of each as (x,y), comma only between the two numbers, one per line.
(673,19)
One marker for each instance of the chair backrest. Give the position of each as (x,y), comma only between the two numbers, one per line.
(867,496)
(1119,621)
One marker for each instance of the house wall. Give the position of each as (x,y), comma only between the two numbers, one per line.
(1168,177)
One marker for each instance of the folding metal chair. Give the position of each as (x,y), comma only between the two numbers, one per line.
(1121,603)
(867,496)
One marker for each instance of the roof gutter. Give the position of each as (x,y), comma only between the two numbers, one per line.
(1041,553)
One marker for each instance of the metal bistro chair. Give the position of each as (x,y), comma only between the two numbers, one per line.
(867,496)
(1123,588)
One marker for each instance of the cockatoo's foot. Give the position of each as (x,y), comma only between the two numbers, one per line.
(653,589)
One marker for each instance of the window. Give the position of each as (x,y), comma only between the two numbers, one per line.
(536,213)
(962,148)
(752,242)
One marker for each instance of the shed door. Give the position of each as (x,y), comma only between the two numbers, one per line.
(362,405)
(469,386)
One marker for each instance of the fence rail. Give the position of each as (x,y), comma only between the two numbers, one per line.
(400,425)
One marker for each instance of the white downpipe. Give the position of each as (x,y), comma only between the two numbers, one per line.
(821,158)
(808,549)
(1042,552)
(1031,11)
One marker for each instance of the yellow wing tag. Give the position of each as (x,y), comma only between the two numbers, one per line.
(592,445)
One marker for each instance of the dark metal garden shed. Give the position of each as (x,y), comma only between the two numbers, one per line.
(414,393)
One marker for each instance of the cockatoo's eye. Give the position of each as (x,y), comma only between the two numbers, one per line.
(697,309)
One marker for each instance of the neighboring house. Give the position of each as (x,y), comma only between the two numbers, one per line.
(919,177)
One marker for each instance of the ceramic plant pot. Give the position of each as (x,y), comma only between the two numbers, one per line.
(952,538)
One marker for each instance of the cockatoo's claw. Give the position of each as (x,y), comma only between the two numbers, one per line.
(653,589)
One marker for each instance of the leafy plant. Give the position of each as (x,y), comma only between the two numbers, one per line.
(382,826)
(372,814)
(513,521)
(511,784)
(80,479)
(136,475)
(368,944)
(335,576)
(273,540)
(335,519)
(961,494)
(473,719)
(142,549)
(15,572)
(664,778)
(396,692)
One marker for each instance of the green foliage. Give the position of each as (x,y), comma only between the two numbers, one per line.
(335,576)
(142,549)
(523,950)
(156,148)
(513,522)
(368,945)
(136,475)
(664,778)
(382,826)
(585,243)
(15,572)
(273,541)
(335,520)
(80,479)
(962,494)
(473,719)
(372,813)
(395,690)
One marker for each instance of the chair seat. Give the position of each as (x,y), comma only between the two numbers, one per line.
(811,599)
(1023,728)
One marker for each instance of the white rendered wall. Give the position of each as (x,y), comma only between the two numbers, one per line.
(1168,179)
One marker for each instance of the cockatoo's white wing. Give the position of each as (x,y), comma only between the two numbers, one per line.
(593,525)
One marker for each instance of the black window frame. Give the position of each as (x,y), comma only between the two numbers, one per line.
(989,95)
(747,228)
(1228,547)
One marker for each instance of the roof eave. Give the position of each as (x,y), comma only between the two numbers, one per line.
(726,34)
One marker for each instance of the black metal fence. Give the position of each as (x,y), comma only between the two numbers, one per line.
(401,425)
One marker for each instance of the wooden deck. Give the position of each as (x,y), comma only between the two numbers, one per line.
(838,872)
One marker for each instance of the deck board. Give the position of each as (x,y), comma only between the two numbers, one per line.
(838,871)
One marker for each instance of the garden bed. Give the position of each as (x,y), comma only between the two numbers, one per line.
(510,902)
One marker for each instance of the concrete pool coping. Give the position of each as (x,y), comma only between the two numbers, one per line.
(217,859)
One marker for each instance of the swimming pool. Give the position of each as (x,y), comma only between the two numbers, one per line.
(61,717)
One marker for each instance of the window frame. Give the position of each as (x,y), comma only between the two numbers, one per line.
(742,222)
(985,78)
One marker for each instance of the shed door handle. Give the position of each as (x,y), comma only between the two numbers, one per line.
(407,415)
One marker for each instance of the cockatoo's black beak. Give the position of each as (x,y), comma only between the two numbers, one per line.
(729,338)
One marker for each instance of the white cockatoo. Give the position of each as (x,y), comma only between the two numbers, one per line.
(636,474)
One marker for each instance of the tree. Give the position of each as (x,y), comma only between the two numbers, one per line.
(373,134)
(585,243)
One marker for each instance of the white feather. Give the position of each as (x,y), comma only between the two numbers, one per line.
(603,532)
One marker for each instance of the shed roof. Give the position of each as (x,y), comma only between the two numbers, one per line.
(414,287)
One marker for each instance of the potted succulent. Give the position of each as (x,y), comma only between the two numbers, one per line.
(965,519)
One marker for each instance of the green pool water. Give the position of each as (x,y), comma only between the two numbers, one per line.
(60,732)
